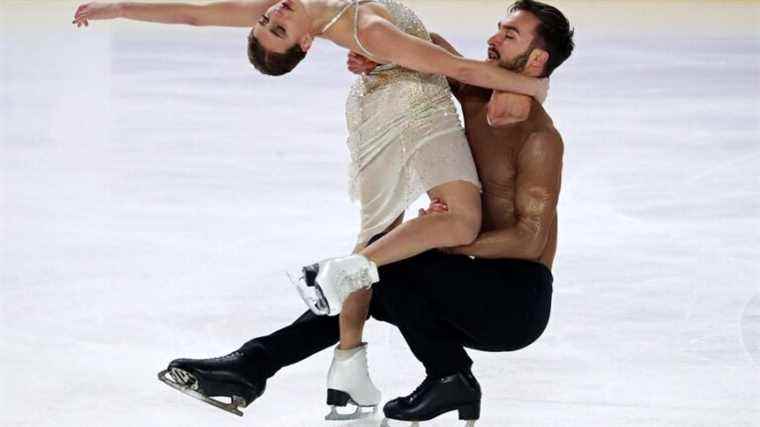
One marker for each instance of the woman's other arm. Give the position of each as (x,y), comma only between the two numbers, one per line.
(223,13)
(388,44)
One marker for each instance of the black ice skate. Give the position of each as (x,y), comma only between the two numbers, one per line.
(436,396)
(205,379)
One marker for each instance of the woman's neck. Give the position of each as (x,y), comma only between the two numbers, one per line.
(322,12)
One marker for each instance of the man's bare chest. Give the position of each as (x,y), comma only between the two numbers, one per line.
(495,151)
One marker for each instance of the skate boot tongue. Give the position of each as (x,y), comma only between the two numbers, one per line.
(421,390)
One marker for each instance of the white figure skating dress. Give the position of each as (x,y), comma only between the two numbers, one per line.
(404,133)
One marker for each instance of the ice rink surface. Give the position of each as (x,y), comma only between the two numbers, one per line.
(155,189)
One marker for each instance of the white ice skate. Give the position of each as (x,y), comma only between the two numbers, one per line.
(348,381)
(324,286)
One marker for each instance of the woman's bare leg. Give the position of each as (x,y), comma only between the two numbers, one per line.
(352,319)
(458,226)
(356,307)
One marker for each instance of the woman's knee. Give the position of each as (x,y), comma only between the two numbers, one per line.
(463,218)
(462,228)
(469,228)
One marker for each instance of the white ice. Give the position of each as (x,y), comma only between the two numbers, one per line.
(155,189)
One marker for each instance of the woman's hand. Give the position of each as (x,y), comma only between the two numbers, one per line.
(542,90)
(359,64)
(506,108)
(95,11)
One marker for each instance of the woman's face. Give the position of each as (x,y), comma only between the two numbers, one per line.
(283,25)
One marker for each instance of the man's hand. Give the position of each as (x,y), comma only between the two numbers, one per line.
(96,10)
(507,108)
(436,206)
(358,64)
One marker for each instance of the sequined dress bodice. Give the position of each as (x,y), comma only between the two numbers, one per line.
(428,90)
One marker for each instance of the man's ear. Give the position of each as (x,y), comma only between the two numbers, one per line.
(538,59)
(306,42)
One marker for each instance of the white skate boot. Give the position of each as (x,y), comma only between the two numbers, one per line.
(326,285)
(348,381)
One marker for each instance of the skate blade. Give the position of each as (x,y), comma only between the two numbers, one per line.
(468,423)
(187,384)
(311,295)
(385,423)
(358,414)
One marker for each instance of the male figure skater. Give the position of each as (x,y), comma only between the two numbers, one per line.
(491,295)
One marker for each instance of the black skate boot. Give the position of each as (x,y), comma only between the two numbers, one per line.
(227,376)
(436,396)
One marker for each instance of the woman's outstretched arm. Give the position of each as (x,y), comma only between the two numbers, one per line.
(223,13)
(504,108)
(388,44)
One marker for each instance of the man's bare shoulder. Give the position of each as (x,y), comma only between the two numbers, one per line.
(543,141)
(465,93)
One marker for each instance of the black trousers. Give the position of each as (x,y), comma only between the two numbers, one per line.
(441,304)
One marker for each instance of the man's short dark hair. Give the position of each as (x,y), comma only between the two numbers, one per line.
(553,34)
(273,63)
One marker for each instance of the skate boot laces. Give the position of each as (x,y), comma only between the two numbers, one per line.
(420,390)
(233,355)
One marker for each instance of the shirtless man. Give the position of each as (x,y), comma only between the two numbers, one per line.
(491,295)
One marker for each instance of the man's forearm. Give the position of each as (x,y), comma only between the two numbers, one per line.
(513,243)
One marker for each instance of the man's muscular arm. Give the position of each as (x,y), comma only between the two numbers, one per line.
(537,191)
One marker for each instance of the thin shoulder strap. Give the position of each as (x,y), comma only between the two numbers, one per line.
(364,50)
(337,16)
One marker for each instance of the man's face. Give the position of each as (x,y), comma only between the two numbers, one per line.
(513,43)
(282,26)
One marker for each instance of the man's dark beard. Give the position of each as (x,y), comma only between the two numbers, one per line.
(518,63)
